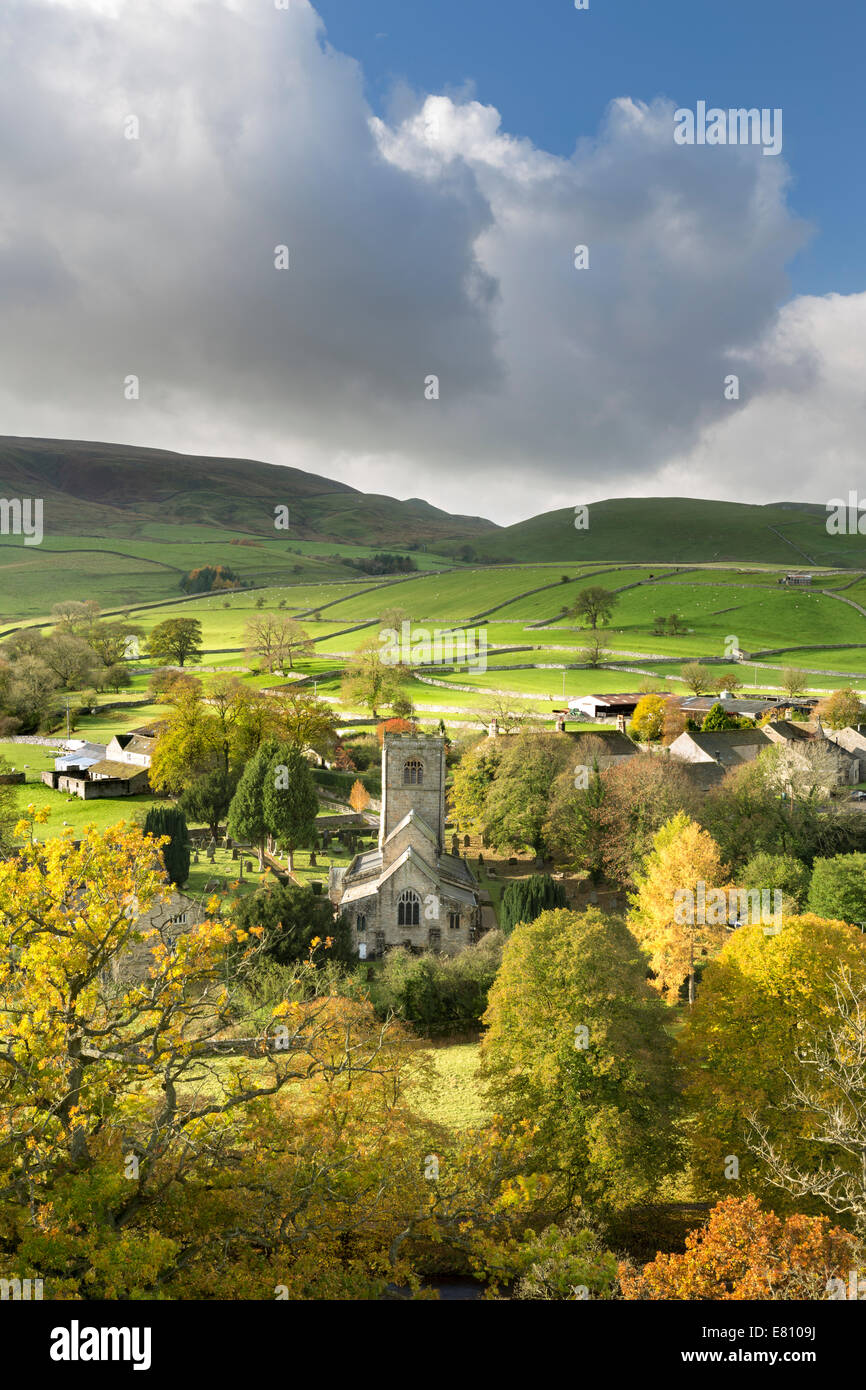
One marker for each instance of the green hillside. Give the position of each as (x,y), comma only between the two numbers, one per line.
(682,530)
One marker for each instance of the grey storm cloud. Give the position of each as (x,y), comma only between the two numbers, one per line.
(437,244)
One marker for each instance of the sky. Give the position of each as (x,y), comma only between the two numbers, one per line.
(430,171)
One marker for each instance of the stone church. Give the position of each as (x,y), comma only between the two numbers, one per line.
(409,892)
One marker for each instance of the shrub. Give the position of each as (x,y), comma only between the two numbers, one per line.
(439,995)
(527,898)
(171,821)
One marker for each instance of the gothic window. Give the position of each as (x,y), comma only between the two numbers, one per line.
(413,772)
(360,923)
(408,909)
(454,921)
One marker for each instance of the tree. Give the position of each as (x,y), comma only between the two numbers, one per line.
(207,797)
(675,625)
(277,639)
(575,829)
(117,677)
(73,615)
(793,681)
(526,898)
(758,1002)
(829,1087)
(779,871)
(744,1252)
(208,578)
(717,717)
(594,653)
(841,709)
(289,802)
(473,778)
(301,718)
(683,856)
(176,640)
(71,659)
(370,681)
(696,676)
(123,1175)
(112,640)
(516,805)
(673,720)
(838,888)
(648,718)
(640,795)
(576,1048)
(290,918)
(170,821)
(594,604)
(359,797)
(246,819)
(392,726)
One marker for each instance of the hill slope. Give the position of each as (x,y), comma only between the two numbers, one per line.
(119,491)
(682,530)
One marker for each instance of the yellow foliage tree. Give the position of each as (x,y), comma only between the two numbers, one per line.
(669,913)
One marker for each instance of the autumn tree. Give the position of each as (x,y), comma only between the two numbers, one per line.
(841,709)
(135,1161)
(359,797)
(576,1048)
(593,605)
(760,1002)
(744,1252)
(640,795)
(673,719)
(176,640)
(648,718)
(666,921)
(697,677)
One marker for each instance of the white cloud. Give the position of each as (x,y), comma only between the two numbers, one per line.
(439,244)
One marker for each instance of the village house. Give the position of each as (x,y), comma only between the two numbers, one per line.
(729,748)
(408,891)
(170,918)
(92,771)
(606,707)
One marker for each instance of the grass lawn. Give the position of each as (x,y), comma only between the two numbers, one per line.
(453,1096)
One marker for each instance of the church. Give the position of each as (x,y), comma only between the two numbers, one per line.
(408,891)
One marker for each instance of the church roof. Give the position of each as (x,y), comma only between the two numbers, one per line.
(412,818)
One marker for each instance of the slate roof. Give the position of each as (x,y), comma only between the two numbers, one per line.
(108,767)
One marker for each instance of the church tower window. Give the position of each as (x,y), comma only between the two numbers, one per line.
(413,772)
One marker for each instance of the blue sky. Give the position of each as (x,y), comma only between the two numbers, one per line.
(551,71)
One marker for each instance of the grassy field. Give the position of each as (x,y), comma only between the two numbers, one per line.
(454,1096)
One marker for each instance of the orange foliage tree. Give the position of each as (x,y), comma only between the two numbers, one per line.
(745,1252)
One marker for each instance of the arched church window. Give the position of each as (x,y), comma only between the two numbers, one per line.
(408,909)
(413,772)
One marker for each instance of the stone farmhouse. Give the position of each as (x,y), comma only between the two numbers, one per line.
(728,748)
(170,918)
(118,769)
(408,891)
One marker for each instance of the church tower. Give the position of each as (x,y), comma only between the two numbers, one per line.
(413,779)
